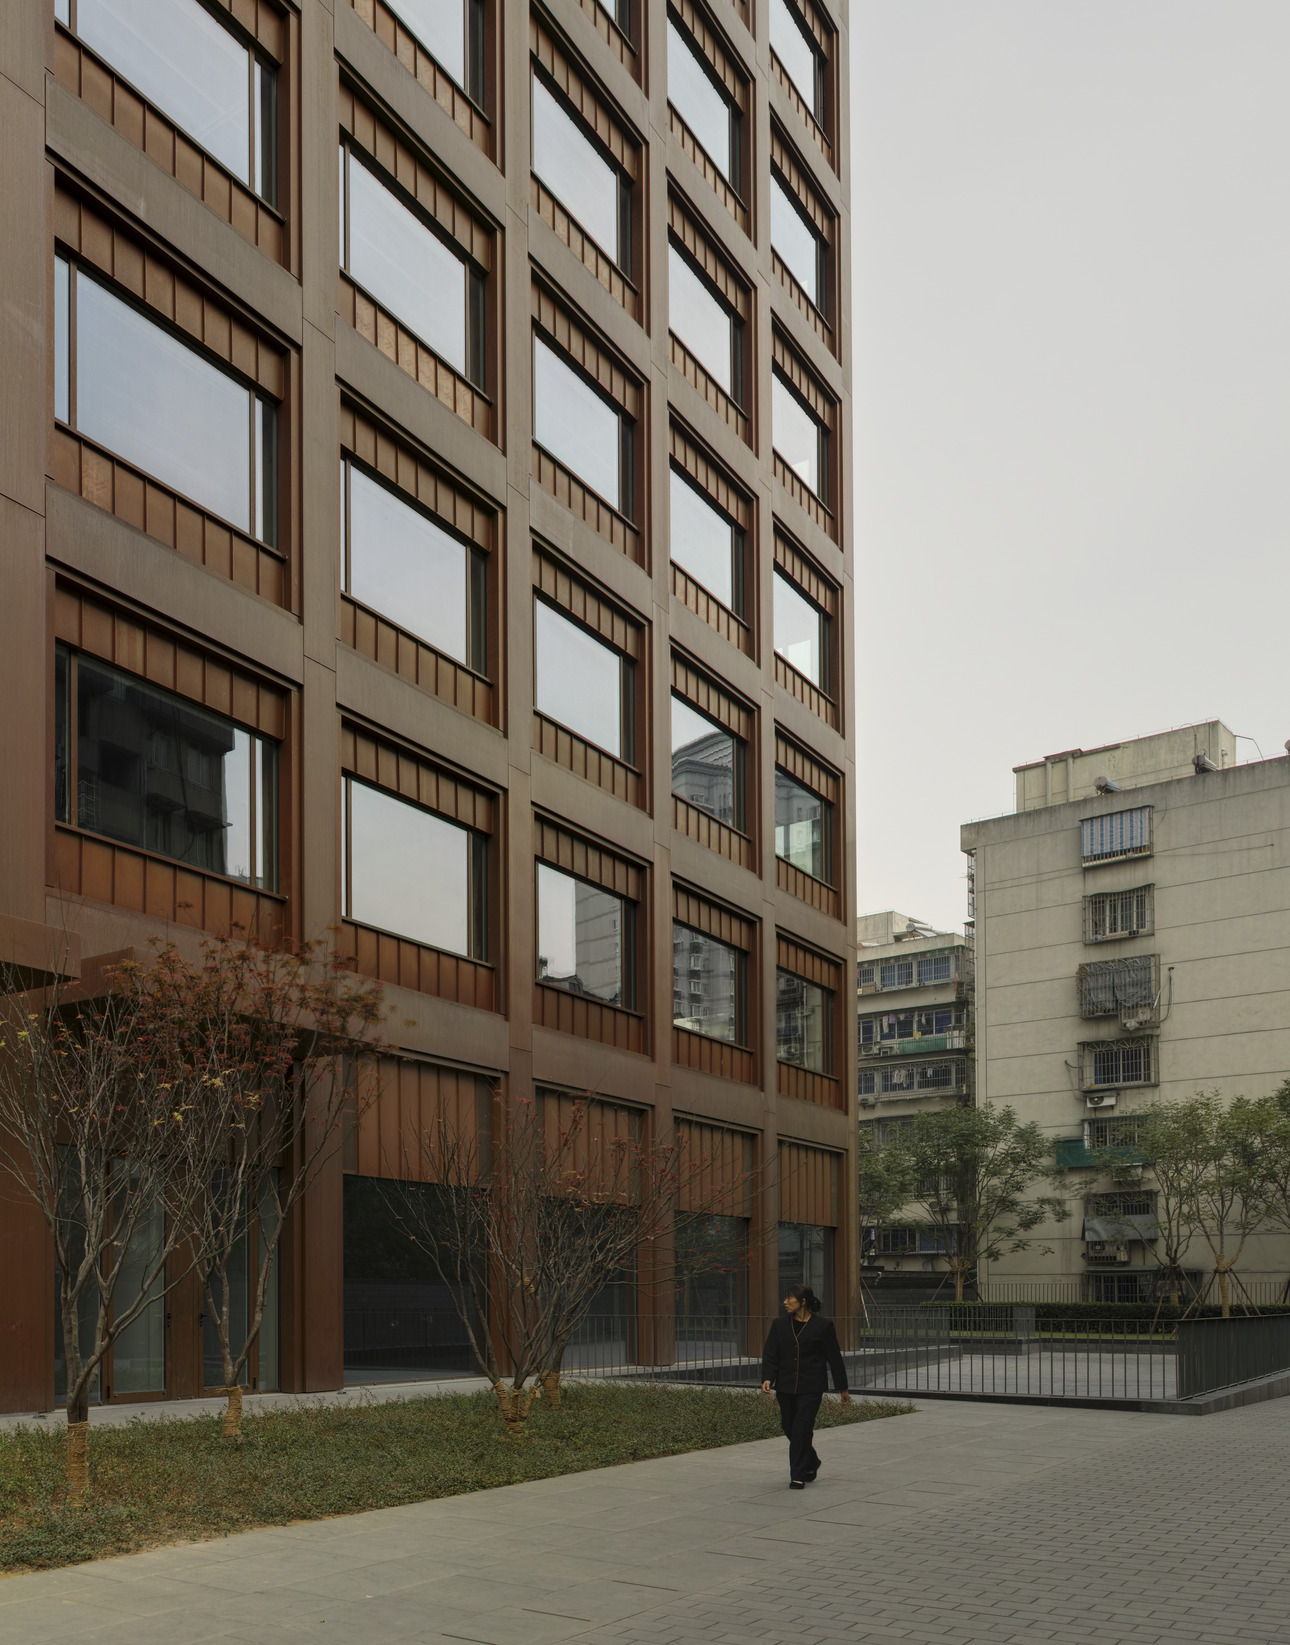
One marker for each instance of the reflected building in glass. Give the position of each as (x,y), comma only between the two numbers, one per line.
(294,644)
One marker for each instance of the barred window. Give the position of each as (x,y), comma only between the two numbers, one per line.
(935,968)
(1112,987)
(1119,1063)
(913,1079)
(891,1026)
(1112,914)
(1137,1202)
(1118,834)
(1122,1131)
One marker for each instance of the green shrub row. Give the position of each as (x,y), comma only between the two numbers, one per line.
(1052,1311)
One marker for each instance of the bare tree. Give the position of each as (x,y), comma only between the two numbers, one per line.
(290,1032)
(526,1233)
(98,1122)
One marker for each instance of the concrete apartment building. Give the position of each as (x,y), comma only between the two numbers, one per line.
(1132,942)
(425,485)
(914,1042)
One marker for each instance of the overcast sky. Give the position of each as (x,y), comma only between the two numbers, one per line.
(1072,397)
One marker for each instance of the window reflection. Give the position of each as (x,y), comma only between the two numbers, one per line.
(159,772)
(693,93)
(796,435)
(140,392)
(452,32)
(789,43)
(795,241)
(578,427)
(400,262)
(582,937)
(705,327)
(704,543)
(799,631)
(410,570)
(706,764)
(579,682)
(801,831)
(411,872)
(580,177)
(806,1255)
(177,55)
(802,1022)
(139,1353)
(707,985)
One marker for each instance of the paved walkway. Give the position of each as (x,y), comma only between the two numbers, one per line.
(1004,1525)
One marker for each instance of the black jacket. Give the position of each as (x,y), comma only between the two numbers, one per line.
(796,1357)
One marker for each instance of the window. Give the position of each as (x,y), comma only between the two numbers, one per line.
(1119,1062)
(580,429)
(453,33)
(893,1026)
(798,56)
(798,439)
(138,391)
(401,564)
(177,54)
(710,1273)
(1119,834)
(584,938)
(706,545)
(803,1023)
(935,968)
(802,827)
(580,175)
(1112,914)
(707,765)
(801,631)
(708,985)
(699,320)
(796,242)
(403,265)
(157,771)
(412,873)
(1113,1131)
(914,1079)
(694,93)
(582,683)
(806,1257)
(1118,987)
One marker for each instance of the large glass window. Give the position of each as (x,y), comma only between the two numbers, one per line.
(706,545)
(582,937)
(802,1021)
(801,631)
(581,683)
(159,772)
(796,242)
(796,436)
(137,390)
(789,42)
(452,31)
(801,826)
(406,567)
(707,328)
(139,1353)
(578,426)
(692,91)
(412,873)
(178,55)
(806,1257)
(707,764)
(404,265)
(708,985)
(711,1275)
(577,172)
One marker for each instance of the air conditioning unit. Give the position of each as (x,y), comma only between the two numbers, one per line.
(868,1102)
(1101,1099)
(1130,1021)
(1098,1248)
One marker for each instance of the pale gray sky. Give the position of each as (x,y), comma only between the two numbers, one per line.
(1072,392)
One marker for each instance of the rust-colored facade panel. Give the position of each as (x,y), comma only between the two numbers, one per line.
(401,1107)
(422,970)
(563,747)
(390,31)
(707,830)
(808,1086)
(589,1019)
(717,1167)
(809,1186)
(707,1056)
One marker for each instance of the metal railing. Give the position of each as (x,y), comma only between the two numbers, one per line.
(998,1351)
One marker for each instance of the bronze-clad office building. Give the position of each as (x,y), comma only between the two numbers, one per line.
(425,489)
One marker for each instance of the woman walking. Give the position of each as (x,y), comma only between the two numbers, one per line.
(801,1348)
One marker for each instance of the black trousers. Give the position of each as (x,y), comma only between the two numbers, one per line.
(797,1413)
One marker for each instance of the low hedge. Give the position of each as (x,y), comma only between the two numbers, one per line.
(1051,1312)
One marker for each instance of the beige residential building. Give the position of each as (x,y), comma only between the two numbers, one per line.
(1132,927)
(914,1033)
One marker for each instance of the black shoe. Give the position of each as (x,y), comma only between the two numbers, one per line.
(810,1478)
(797,1484)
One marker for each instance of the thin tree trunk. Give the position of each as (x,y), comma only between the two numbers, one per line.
(958,1284)
(78,1443)
(1225,1292)
(233,1412)
(551,1389)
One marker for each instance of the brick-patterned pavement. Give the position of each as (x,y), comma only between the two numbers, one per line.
(998,1524)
